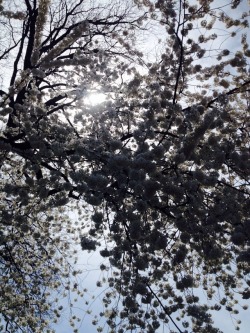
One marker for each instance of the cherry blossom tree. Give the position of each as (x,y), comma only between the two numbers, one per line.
(51,54)
(158,173)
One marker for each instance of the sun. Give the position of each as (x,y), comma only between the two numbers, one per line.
(95,98)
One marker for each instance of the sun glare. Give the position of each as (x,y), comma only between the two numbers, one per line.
(95,98)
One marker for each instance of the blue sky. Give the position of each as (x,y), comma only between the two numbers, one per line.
(89,263)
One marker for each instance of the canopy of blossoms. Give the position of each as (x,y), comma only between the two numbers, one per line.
(158,172)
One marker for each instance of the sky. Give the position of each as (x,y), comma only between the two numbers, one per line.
(89,262)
